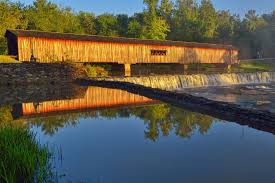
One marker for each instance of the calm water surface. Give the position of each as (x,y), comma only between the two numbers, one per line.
(137,140)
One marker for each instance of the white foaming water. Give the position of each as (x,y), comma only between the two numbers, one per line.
(173,82)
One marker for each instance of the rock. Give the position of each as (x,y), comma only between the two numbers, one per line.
(263,102)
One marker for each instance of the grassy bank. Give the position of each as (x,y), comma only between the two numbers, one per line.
(22,158)
(257,65)
(244,66)
(7,59)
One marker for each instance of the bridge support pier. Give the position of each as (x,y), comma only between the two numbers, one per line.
(185,68)
(127,70)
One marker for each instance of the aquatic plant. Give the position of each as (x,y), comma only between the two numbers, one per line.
(22,158)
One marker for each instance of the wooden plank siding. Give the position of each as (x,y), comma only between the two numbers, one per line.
(48,50)
(95,98)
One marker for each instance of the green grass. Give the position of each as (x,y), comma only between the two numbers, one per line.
(22,158)
(244,66)
(257,65)
(7,59)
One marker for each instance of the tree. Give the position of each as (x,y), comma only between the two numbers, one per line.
(106,25)
(252,21)
(225,27)
(208,20)
(47,16)
(11,17)
(122,24)
(134,29)
(251,35)
(154,26)
(185,21)
(87,22)
(166,10)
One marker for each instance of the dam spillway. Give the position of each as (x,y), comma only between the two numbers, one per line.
(174,82)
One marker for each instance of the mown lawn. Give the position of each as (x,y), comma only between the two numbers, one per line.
(7,59)
(244,66)
(261,65)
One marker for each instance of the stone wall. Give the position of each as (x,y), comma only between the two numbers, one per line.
(37,73)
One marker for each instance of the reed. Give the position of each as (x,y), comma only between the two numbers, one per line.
(22,158)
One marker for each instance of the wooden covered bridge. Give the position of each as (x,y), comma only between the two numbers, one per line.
(49,47)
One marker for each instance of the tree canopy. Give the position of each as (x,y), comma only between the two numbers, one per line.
(181,20)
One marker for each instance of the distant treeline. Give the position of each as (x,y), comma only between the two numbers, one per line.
(184,20)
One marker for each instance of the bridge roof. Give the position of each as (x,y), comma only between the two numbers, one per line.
(119,40)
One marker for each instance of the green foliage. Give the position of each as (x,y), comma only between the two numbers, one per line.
(252,21)
(122,25)
(134,29)
(208,20)
(166,10)
(47,16)
(106,25)
(87,22)
(11,17)
(185,22)
(22,158)
(182,20)
(225,26)
(155,27)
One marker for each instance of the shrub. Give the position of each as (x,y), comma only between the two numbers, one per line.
(97,70)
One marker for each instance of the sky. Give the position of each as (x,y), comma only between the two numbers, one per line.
(132,6)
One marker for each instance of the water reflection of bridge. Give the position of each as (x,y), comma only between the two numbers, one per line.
(94,98)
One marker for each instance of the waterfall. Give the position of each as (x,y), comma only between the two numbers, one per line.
(172,82)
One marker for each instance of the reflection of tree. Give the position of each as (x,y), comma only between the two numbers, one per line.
(109,113)
(6,117)
(186,122)
(166,118)
(154,115)
(159,119)
(50,125)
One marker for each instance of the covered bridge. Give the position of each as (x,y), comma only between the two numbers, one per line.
(56,47)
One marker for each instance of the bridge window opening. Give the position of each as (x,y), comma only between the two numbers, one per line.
(158,52)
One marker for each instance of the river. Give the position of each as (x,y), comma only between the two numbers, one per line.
(106,135)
